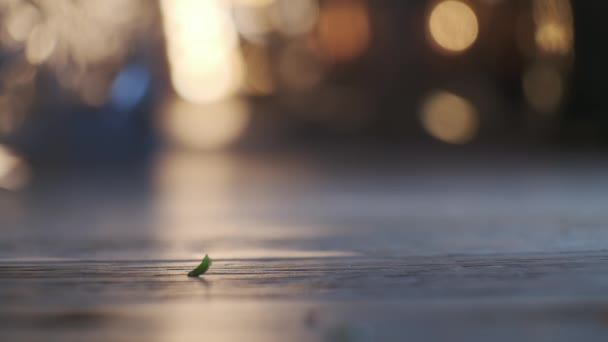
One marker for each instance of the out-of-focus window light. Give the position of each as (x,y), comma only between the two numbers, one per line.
(202,45)
(14,172)
(206,127)
(343,29)
(453,25)
(554,26)
(449,118)
(543,88)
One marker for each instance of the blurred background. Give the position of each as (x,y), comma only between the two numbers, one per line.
(91,87)
(303,129)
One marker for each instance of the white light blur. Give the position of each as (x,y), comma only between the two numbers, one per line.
(202,48)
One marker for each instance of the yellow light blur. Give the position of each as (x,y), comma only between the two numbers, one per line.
(202,49)
(543,88)
(449,118)
(552,37)
(554,26)
(253,19)
(453,25)
(14,172)
(207,127)
(343,29)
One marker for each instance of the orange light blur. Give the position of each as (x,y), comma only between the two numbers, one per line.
(343,30)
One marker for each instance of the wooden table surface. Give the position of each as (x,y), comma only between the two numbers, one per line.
(335,249)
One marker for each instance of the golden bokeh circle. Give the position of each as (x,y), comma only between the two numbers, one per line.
(453,25)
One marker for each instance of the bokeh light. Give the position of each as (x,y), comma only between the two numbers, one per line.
(21,22)
(207,127)
(449,118)
(295,17)
(40,44)
(257,19)
(453,25)
(14,172)
(82,43)
(543,88)
(202,45)
(554,26)
(74,32)
(130,87)
(343,30)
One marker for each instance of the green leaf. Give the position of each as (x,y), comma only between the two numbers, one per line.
(202,268)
